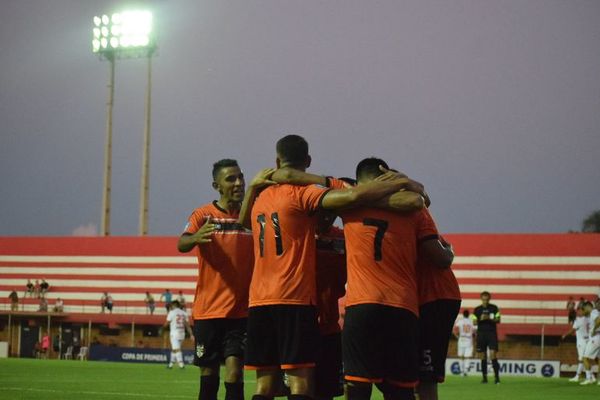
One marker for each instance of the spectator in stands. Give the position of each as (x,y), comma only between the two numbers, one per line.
(44,287)
(36,289)
(28,288)
(59,306)
(43,304)
(168,297)
(150,303)
(14,300)
(106,301)
(571,310)
(181,300)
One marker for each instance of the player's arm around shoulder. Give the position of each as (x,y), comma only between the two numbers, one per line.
(362,194)
(260,181)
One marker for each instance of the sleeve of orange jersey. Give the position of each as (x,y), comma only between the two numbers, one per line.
(195,221)
(426,228)
(335,183)
(309,197)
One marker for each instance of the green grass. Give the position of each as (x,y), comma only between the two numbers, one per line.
(65,380)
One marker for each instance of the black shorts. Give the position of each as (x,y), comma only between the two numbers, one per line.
(487,340)
(436,321)
(329,377)
(282,336)
(380,343)
(218,339)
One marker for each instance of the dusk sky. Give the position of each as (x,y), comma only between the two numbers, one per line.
(493,104)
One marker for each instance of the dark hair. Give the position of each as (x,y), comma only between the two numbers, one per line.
(466,313)
(485,293)
(369,168)
(224,163)
(292,149)
(175,303)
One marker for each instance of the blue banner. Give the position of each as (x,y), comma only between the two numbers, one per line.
(133,354)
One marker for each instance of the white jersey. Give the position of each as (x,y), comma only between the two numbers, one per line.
(592,323)
(582,329)
(466,329)
(177,318)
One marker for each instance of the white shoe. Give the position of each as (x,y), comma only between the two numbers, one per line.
(587,382)
(574,379)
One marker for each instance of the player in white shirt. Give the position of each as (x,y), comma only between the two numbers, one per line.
(466,330)
(592,348)
(177,321)
(581,330)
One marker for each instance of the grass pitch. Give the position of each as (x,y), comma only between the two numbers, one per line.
(67,379)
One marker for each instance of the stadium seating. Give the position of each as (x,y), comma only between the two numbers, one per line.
(530,276)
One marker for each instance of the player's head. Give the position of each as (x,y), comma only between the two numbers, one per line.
(466,313)
(292,151)
(175,304)
(228,180)
(485,297)
(368,169)
(587,308)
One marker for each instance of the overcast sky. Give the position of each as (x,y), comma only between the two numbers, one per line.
(494,105)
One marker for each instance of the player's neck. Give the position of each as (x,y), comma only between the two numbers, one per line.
(228,205)
(293,166)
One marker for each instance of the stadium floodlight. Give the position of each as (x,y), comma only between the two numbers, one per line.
(123,34)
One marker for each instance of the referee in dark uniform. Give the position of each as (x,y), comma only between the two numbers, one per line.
(487,316)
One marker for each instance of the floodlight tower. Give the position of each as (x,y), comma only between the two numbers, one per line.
(126,34)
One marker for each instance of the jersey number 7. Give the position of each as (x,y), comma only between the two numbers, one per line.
(261,219)
(381,226)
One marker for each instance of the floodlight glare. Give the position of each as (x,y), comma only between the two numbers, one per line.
(128,33)
(95,45)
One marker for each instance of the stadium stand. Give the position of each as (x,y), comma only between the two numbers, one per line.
(529,276)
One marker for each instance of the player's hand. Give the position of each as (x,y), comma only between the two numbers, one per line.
(263,178)
(203,235)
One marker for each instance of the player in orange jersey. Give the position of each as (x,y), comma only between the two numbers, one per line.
(225,261)
(439,304)
(380,335)
(282,318)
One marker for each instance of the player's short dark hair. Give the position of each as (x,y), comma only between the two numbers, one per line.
(466,313)
(485,293)
(292,149)
(369,168)
(175,303)
(224,163)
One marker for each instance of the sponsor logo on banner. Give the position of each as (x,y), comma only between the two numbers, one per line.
(539,368)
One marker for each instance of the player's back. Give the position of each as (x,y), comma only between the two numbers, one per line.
(177,318)
(283,228)
(381,248)
(465,328)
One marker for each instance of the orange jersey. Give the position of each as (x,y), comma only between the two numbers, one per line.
(335,183)
(224,265)
(436,283)
(331,279)
(283,227)
(381,249)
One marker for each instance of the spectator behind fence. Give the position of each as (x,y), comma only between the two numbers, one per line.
(571,310)
(29,288)
(168,297)
(106,301)
(43,304)
(150,303)
(181,300)
(14,300)
(36,289)
(44,287)
(59,306)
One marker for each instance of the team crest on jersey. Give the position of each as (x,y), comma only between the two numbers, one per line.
(200,350)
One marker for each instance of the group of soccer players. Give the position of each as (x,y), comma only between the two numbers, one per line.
(587,331)
(271,268)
